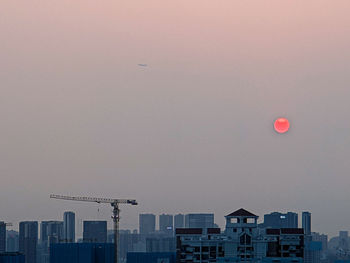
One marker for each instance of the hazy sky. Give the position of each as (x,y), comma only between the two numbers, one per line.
(193,131)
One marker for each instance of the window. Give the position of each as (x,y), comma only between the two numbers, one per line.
(234,220)
(250,220)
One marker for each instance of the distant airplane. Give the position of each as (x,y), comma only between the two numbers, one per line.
(142,65)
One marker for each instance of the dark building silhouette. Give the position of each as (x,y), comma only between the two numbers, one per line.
(160,244)
(12,257)
(179,221)
(306,222)
(55,232)
(285,243)
(147,224)
(12,240)
(51,232)
(43,232)
(2,237)
(28,239)
(82,253)
(279,220)
(166,224)
(69,227)
(127,242)
(95,232)
(199,221)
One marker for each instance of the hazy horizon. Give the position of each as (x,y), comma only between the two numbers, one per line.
(192,131)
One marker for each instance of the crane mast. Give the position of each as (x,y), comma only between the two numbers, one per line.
(116,213)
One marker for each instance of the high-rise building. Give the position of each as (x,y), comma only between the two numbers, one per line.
(55,232)
(147,224)
(127,242)
(166,224)
(69,227)
(179,221)
(199,221)
(306,222)
(279,220)
(51,232)
(12,241)
(43,232)
(28,239)
(2,237)
(321,238)
(343,240)
(95,232)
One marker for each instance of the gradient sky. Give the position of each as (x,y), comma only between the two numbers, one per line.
(193,131)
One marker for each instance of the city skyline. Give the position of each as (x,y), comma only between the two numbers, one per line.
(186,223)
(278,230)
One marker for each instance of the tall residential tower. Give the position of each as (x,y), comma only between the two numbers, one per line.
(28,239)
(69,227)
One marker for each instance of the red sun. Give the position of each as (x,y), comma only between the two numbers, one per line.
(281,125)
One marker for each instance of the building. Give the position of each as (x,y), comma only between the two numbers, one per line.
(2,237)
(285,243)
(322,238)
(51,232)
(160,244)
(179,221)
(12,241)
(43,255)
(166,224)
(245,243)
(69,227)
(199,221)
(82,253)
(279,220)
(12,257)
(135,257)
(343,243)
(43,232)
(54,232)
(147,224)
(324,243)
(314,251)
(95,232)
(128,242)
(199,245)
(242,241)
(306,222)
(28,239)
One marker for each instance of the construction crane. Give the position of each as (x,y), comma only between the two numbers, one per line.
(116,211)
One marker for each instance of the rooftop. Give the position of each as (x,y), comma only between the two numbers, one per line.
(242,212)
